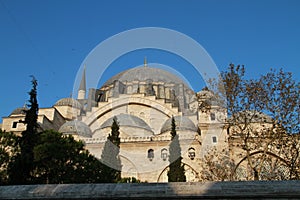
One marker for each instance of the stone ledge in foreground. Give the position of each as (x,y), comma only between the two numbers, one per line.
(208,190)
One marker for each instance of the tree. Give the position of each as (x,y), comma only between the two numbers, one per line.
(8,149)
(61,159)
(21,168)
(50,157)
(176,168)
(281,100)
(263,122)
(217,166)
(110,155)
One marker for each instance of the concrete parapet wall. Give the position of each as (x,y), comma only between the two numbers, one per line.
(209,190)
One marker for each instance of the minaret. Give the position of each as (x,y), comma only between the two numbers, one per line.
(82,86)
(145,62)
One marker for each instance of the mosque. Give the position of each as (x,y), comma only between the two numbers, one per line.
(143,100)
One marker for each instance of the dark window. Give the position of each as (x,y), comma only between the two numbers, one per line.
(14,125)
(150,154)
(212,116)
(192,153)
(164,154)
(214,139)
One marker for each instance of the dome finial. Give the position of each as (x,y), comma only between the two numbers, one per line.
(145,61)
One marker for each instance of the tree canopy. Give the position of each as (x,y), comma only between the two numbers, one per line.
(61,159)
(45,157)
(263,123)
(8,149)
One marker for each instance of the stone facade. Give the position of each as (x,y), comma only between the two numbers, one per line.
(143,100)
(48,118)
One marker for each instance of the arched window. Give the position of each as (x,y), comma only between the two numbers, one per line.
(150,154)
(164,154)
(212,116)
(192,153)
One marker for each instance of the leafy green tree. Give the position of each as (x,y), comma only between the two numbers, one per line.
(50,157)
(21,168)
(8,148)
(176,168)
(110,155)
(61,159)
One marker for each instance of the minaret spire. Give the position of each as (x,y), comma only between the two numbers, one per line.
(145,61)
(82,86)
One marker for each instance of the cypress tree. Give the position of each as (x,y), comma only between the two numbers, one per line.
(21,169)
(176,168)
(110,155)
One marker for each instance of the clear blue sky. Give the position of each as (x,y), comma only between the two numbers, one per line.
(50,39)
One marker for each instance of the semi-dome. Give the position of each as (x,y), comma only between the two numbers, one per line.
(182,123)
(146,74)
(19,111)
(127,120)
(68,102)
(76,128)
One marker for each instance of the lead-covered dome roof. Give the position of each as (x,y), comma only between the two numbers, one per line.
(76,128)
(127,120)
(182,123)
(68,102)
(19,111)
(146,74)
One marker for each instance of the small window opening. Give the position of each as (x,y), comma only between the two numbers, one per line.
(192,153)
(14,125)
(164,154)
(212,116)
(214,139)
(150,154)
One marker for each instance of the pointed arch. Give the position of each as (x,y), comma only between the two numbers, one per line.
(165,169)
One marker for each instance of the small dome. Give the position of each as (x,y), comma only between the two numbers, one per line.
(205,94)
(127,120)
(19,111)
(68,102)
(205,91)
(182,123)
(76,128)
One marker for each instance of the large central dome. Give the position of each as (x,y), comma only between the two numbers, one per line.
(149,81)
(145,74)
